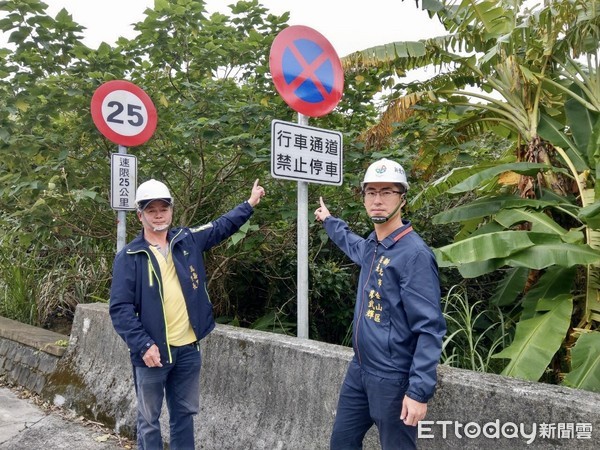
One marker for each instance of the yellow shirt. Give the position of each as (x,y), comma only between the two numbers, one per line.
(179,328)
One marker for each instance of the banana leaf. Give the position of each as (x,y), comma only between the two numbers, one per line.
(510,287)
(474,210)
(484,247)
(538,339)
(585,363)
(555,281)
(540,222)
(442,184)
(482,254)
(541,256)
(592,288)
(582,122)
(590,215)
(476,269)
(523,168)
(488,206)
(552,131)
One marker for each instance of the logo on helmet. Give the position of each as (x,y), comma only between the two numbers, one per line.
(380,170)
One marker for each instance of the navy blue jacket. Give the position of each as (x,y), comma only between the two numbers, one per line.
(136,296)
(398,323)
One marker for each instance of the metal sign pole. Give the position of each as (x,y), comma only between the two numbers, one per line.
(302,251)
(121,216)
(125,115)
(288,72)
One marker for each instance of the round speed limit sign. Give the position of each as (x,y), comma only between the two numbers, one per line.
(123,113)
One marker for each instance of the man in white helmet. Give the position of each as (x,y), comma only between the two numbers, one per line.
(398,323)
(159,305)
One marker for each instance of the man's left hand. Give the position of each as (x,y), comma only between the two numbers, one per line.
(412,411)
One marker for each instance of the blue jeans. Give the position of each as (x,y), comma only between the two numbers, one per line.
(179,382)
(365,400)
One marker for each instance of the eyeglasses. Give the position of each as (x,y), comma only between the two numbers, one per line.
(385,194)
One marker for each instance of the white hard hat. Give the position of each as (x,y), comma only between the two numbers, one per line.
(385,171)
(152,190)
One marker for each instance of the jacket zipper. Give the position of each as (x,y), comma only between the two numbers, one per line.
(152,273)
(162,302)
(162,299)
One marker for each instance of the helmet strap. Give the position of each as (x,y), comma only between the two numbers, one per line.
(383,219)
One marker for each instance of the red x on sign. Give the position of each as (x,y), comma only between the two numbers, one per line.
(306,71)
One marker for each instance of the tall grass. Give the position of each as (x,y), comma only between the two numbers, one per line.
(42,286)
(18,287)
(475,332)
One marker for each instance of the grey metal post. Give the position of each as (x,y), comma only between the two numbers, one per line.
(121,216)
(302,320)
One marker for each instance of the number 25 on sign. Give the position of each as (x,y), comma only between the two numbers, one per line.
(123,113)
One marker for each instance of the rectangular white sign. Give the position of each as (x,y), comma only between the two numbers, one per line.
(123,181)
(305,153)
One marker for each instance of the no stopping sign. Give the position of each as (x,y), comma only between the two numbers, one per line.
(306,71)
(123,113)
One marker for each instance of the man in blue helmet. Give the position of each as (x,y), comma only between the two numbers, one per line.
(398,323)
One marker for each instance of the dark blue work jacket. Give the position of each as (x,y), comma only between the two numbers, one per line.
(398,323)
(136,297)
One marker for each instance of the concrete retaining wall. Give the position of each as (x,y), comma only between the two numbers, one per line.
(259,390)
(266,391)
(28,355)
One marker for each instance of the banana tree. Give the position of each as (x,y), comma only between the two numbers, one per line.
(536,209)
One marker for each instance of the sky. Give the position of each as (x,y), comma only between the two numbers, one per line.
(349,25)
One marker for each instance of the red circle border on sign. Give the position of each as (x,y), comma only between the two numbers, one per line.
(282,41)
(96,109)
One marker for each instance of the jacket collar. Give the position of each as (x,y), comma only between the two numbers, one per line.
(139,243)
(390,240)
